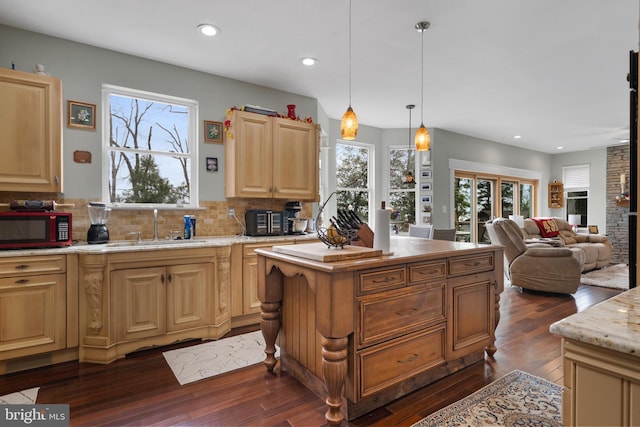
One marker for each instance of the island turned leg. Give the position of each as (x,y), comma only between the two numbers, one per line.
(270,325)
(491,350)
(334,370)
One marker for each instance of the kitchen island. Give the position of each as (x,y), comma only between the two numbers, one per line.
(601,363)
(364,331)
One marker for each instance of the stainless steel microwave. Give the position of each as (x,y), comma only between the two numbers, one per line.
(20,230)
(261,222)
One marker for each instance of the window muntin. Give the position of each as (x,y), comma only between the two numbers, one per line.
(402,193)
(149,149)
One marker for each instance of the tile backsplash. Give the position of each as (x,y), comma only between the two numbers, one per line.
(212,219)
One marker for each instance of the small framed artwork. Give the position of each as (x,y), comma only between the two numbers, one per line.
(425,198)
(426,217)
(425,173)
(426,158)
(81,115)
(593,229)
(212,164)
(425,186)
(212,132)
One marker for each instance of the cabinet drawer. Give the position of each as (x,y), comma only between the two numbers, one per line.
(28,265)
(471,264)
(399,312)
(427,271)
(381,280)
(395,361)
(249,250)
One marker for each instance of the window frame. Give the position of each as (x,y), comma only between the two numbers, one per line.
(416,189)
(370,175)
(192,144)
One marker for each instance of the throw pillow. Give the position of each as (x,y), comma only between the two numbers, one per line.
(547,227)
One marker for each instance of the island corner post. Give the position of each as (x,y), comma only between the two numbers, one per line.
(362,333)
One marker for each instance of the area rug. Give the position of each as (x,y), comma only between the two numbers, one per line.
(201,361)
(24,397)
(612,276)
(517,399)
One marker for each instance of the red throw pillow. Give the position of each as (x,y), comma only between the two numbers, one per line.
(547,226)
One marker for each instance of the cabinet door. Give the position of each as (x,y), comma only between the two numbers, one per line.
(248,156)
(470,317)
(189,295)
(295,160)
(32,315)
(30,131)
(251,303)
(141,307)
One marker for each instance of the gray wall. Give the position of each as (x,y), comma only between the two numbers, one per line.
(83,69)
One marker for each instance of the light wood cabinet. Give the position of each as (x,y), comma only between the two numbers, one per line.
(31,132)
(133,300)
(271,157)
(601,386)
(36,311)
(556,195)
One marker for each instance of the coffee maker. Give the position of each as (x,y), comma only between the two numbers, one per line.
(98,231)
(291,211)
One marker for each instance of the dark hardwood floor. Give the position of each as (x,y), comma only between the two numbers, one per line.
(141,389)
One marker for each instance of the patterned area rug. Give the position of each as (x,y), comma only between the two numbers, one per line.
(613,276)
(517,399)
(201,361)
(24,397)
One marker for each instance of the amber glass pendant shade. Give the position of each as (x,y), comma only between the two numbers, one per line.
(349,125)
(423,139)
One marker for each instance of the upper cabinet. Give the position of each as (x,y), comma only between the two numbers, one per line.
(271,157)
(30,132)
(556,195)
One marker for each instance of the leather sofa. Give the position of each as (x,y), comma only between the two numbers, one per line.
(592,250)
(540,268)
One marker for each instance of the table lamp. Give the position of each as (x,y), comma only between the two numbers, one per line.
(575,221)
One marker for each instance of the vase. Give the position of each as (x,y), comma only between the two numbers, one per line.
(292,111)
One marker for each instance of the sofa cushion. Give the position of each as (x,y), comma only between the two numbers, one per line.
(547,227)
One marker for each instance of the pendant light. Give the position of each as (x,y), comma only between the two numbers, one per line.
(410,179)
(349,123)
(423,139)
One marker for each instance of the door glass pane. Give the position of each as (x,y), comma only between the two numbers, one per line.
(507,189)
(463,204)
(526,200)
(484,194)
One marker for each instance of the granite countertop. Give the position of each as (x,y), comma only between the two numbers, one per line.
(613,324)
(162,244)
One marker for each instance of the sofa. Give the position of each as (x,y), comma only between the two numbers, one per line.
(591,250)
(540,267)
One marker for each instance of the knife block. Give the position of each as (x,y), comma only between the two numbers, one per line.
(365,237)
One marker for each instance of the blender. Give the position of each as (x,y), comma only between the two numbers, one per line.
(98,231)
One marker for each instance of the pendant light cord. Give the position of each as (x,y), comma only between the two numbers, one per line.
(422,86)
(349,53)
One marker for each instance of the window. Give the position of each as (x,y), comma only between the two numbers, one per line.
(354,178)
(149,149)
(402,187)
(576,186)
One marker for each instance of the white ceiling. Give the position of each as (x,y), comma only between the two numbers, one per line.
(553,71)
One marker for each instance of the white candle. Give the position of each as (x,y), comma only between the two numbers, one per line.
(623,179)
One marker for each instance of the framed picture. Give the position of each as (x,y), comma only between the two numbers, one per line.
(212,164)
(426,158)
(212,132)
(425,217)
(425,198)
(593,229)
(425,173)
(81,115)
(425,186)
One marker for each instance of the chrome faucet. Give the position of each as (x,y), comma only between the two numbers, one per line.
(155,224)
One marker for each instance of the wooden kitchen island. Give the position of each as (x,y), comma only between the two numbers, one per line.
(364,331)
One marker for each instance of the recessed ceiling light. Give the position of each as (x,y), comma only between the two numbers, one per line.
(208,29)
(517,137)
(560,148)
(309,61)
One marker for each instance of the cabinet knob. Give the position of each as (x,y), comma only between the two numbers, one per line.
(22,266)
(56,180)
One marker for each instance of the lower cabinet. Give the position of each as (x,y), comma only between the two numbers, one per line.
(156,297)
(601,386)
(34,311)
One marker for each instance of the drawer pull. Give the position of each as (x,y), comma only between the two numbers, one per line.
(409,359)
(409,312)
(386,280)
(22,266)
(22,281)
(473,264)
